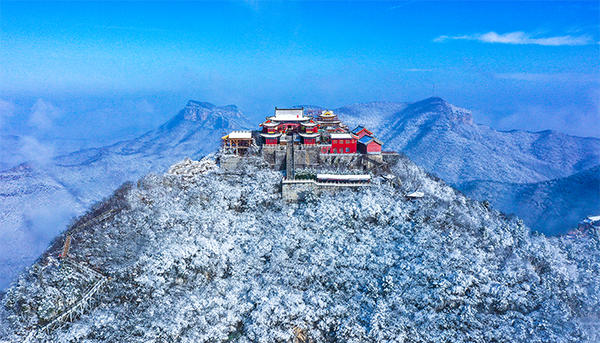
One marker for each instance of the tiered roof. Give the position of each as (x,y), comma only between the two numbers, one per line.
(344,135)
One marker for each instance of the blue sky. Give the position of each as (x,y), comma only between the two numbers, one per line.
(529,65)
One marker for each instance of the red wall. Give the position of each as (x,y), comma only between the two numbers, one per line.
(289,126)
(373,147)
(343,146)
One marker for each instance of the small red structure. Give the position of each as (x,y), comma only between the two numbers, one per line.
(369,145)
(342,143)
(270,132)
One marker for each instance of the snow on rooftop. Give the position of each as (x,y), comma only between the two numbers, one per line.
(289,114)
(240,135)
(353,177)
(344,135)
(309,135)
(270,135)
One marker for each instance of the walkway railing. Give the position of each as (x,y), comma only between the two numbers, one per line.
(77,308)
(330,183)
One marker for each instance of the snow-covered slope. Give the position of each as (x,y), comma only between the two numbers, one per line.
(199,255)
(37,201)
(376,114)
(550,206)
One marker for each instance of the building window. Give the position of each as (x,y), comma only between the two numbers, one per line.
(347,149)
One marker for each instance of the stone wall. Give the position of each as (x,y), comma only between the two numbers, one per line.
(298,190)
(311,157)
(274,156)
(231,162)
(306,157)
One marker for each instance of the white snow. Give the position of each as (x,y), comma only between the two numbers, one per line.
(198,255)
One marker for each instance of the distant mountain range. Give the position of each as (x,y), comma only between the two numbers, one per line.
(530,174)
(39,200)
(548,205)
(443,139)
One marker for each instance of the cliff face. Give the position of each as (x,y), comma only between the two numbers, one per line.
(200,255)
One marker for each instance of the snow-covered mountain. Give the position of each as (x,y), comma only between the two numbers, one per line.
(200,255)
(550,206)
(39,200)
(507,168)
(443,139)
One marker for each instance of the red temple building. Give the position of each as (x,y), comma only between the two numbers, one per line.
(309,133)
(329,121)
(270,132)
(369,145)
(341,143)
(285,120)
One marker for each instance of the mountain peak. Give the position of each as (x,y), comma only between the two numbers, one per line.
(199,111)
(444,109)
(203,104)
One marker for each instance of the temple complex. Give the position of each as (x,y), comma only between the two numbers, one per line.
(296,141)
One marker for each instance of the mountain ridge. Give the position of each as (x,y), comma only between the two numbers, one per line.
(444,139)
(547,205)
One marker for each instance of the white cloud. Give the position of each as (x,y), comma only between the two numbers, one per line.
(144,106)
(521,38)
(568,119)
(549,77)
(34,151)
(43,115)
